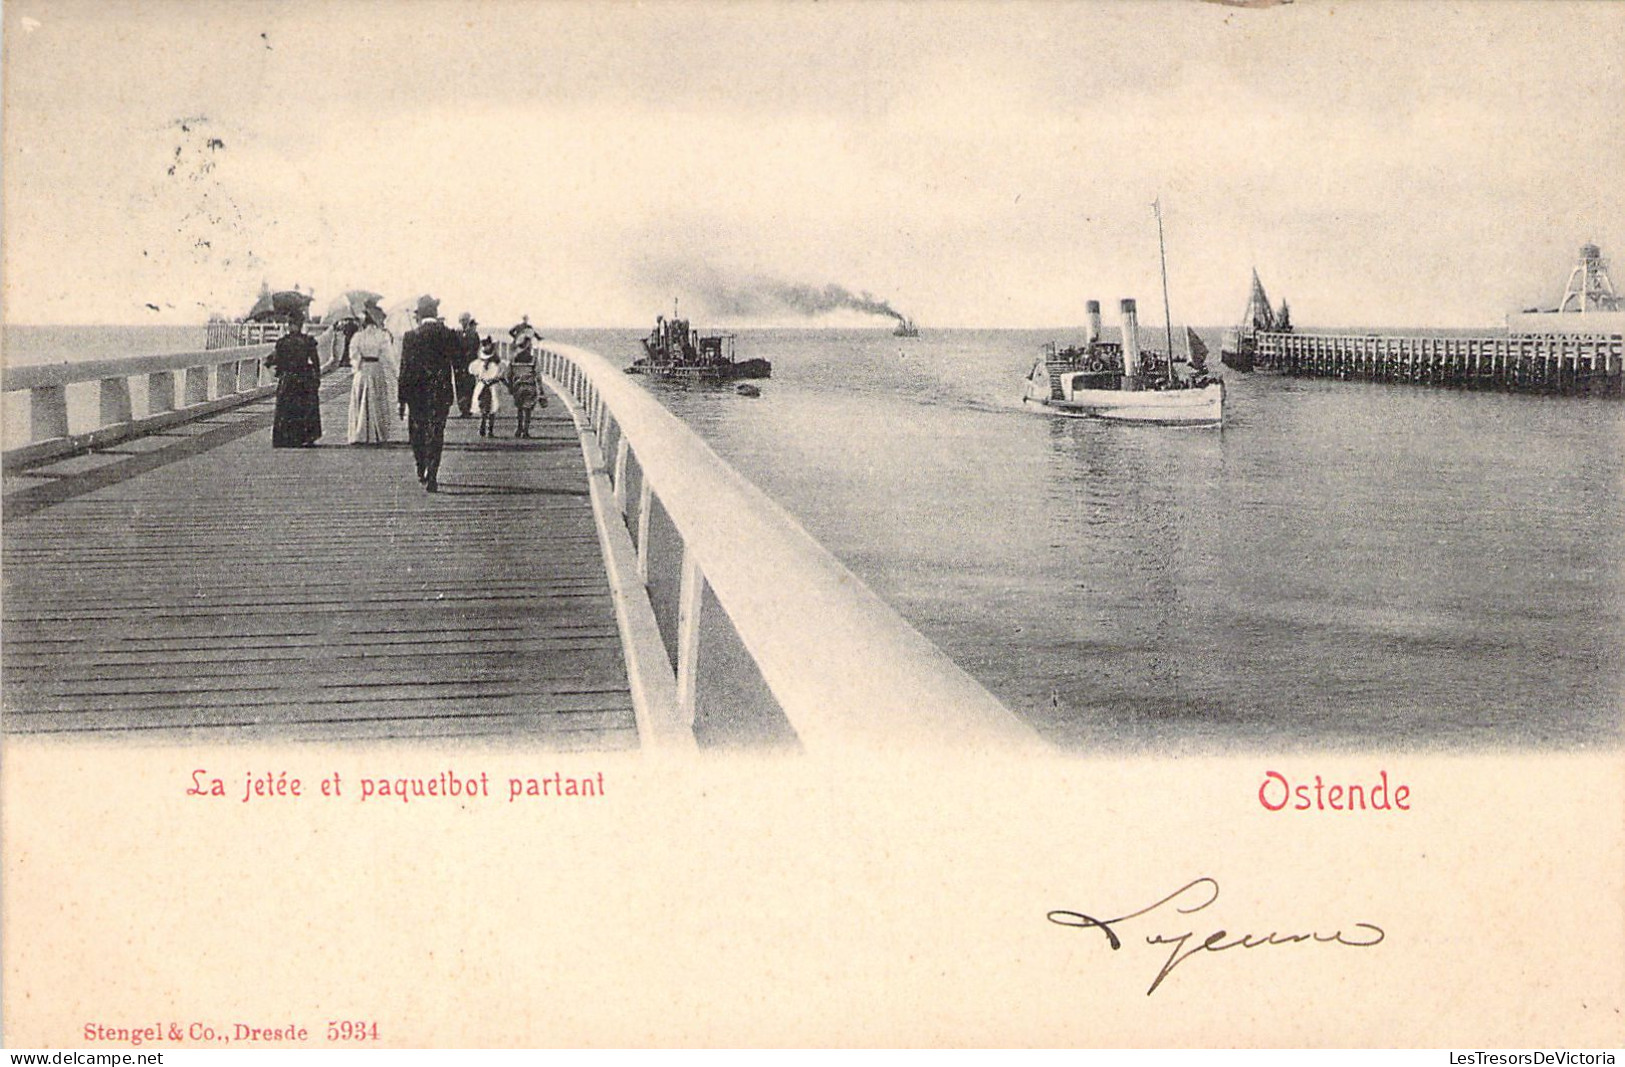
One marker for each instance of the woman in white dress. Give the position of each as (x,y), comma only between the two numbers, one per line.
(371,405)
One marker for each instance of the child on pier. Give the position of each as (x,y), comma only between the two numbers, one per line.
(524,384)
(487,372)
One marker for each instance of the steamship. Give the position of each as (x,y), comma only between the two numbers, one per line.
(1125,383)
(675,351)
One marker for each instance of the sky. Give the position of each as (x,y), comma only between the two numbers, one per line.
(969,164)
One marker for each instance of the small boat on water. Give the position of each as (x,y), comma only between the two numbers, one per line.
(675,351)
(906,328)
(747,389)
(1124,383)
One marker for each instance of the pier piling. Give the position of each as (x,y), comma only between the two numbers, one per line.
(1563,363)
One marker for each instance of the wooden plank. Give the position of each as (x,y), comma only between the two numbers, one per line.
(511,666)
(590,738)
(596,707)
(217,588)
(179,657)
(303,703)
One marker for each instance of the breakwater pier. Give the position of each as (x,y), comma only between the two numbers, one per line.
(1576,347)
(1548,363)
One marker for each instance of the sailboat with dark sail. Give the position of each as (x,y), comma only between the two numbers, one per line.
(1123,382)
(1240,342)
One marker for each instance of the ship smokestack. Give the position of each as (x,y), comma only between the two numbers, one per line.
(1092,337)
(1131,346)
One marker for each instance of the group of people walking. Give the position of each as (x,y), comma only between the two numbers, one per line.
(438,367)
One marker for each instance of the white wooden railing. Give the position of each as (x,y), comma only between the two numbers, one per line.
(208,381)
(736,622)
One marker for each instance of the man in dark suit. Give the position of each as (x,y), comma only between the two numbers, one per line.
(429,356)
(470,334)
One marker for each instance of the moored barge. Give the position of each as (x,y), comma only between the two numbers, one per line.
(673,350)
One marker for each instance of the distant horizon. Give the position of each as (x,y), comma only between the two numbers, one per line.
(842,320)
(1108,324)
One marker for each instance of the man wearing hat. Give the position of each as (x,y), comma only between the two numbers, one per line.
(429,356)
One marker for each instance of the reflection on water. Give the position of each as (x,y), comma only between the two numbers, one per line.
(1127,507)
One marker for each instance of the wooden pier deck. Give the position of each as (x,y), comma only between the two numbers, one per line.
(198,585)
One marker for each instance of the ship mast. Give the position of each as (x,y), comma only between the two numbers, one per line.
(1167,317)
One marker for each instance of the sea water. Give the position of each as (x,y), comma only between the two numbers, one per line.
(1343,564)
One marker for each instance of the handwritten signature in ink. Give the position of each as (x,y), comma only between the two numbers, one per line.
(1192,898)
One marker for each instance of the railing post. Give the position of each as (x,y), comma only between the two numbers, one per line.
(160,392)
(690,594)
(622,450)
(48,412)
(115,401)
(645,502)
(196,386)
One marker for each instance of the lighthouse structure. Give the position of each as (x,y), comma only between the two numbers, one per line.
(1590,288)
(1590,304)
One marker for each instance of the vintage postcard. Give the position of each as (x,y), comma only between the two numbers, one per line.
(813,524)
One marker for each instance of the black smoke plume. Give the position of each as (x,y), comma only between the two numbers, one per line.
(763,298)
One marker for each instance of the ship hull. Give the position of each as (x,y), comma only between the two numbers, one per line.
(704,375)
(1203,406)
(1236,351)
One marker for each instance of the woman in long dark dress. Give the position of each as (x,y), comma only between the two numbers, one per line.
(298,370)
